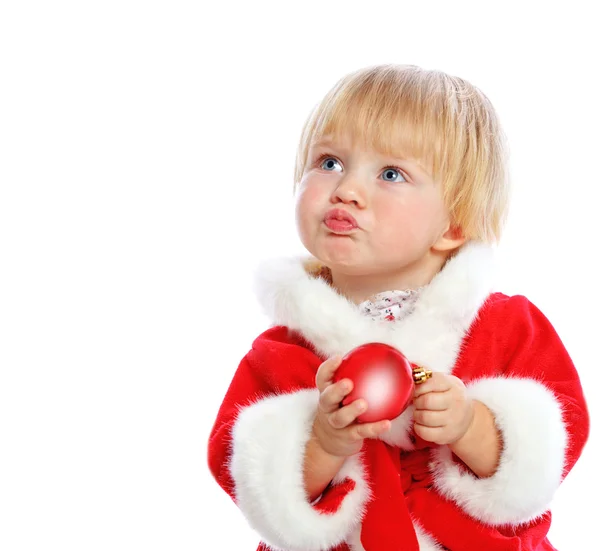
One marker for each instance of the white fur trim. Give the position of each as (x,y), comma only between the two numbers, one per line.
(268,444)
(353,540)
(529,418)
(430,336)
(426,542)
(398,435)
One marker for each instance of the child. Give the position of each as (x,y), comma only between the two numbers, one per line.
(401,194)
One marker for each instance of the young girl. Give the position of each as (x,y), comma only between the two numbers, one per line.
(402,191)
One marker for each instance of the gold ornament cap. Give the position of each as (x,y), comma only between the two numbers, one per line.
(420,374)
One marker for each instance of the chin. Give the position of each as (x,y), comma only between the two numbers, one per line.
(338,252)
(347,266)
(339,258)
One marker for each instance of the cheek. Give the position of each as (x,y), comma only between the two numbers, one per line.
(408,221)
(309,202)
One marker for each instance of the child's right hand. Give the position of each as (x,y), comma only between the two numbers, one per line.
(335,428)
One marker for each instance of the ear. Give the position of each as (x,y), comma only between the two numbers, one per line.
(450,240)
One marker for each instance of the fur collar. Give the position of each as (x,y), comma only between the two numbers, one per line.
(431,336)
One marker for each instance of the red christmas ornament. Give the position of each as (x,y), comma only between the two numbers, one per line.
(383,377)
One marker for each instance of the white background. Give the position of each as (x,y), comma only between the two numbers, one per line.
(146,160)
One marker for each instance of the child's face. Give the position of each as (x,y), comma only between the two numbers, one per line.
(398,208)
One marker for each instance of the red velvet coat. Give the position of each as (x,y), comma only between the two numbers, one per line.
(401,493)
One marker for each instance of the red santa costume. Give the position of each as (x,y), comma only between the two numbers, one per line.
(400,492)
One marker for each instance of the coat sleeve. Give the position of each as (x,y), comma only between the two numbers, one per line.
(256,453)
(536,397)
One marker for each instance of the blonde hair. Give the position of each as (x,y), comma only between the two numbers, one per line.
(445,123)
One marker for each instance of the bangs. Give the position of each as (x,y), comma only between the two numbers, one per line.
(396,117)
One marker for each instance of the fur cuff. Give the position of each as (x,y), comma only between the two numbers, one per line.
(267,462)
(534,437)
(399,433)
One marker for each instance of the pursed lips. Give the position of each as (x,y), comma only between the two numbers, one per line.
(340,221)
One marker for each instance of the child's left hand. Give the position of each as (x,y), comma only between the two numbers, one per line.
(443,412)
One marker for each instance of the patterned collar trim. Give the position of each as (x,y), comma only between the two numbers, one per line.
(390,305)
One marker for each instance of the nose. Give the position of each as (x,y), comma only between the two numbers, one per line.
(350,190)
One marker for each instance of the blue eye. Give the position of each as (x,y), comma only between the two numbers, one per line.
(392,175)
(329,163)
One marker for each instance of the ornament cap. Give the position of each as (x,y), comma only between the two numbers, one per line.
(420,374)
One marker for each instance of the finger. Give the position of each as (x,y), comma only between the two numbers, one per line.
(434,401)
(346,415)
(429,434)
(330,398)
(439,382)
(325,372)
(371,430)
(429,418)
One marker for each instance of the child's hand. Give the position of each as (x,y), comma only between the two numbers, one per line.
(443,412)
(335,428)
